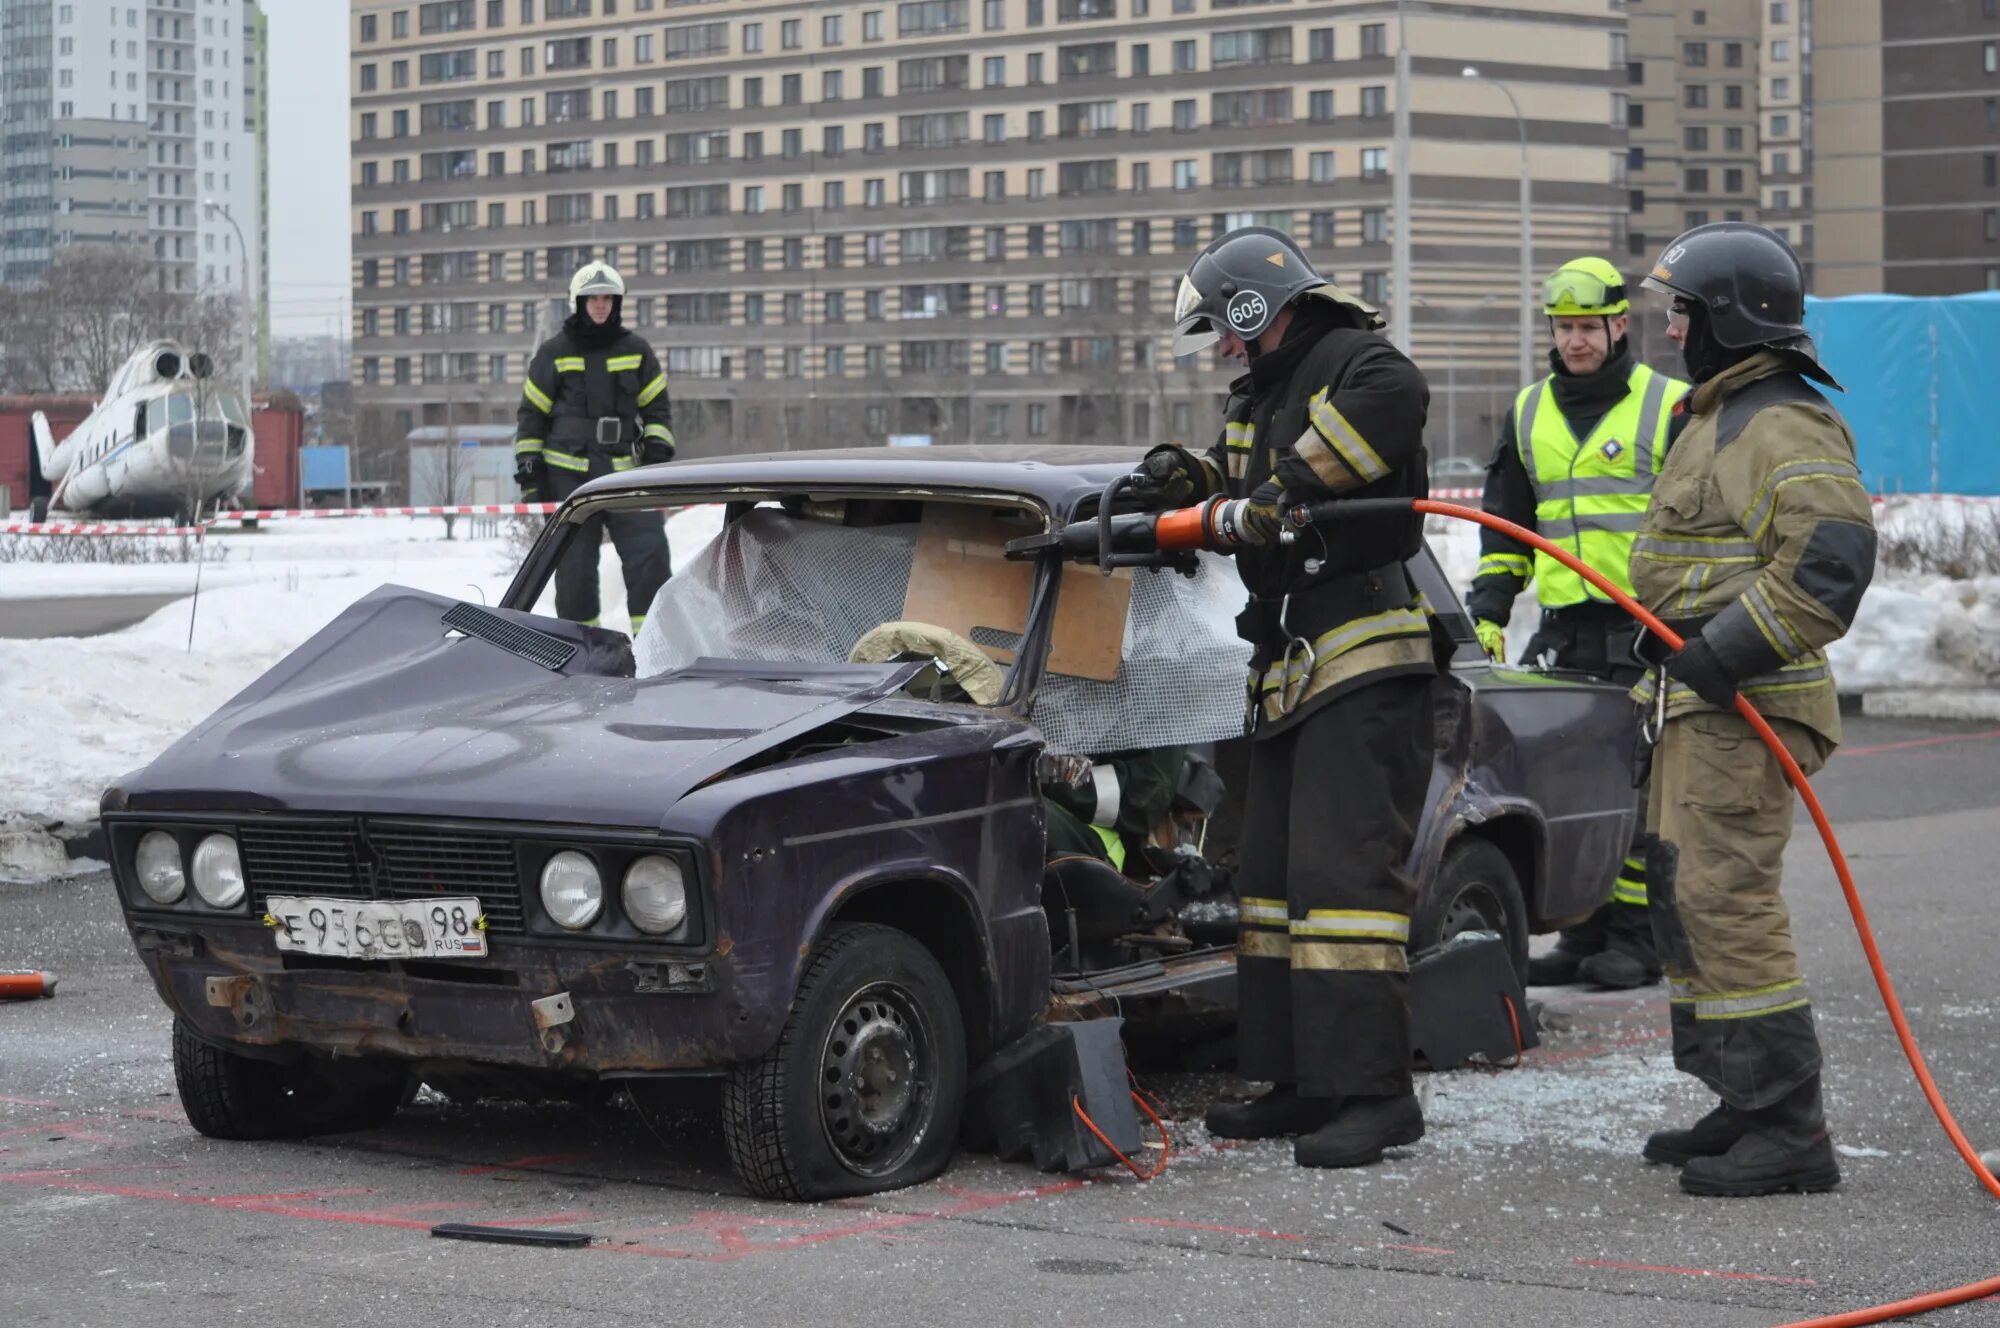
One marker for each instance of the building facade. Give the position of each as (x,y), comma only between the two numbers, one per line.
(1906,151)
(118,121)
(963,219)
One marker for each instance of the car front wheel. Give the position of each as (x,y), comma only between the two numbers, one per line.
(227,1096)
(1475,890)
(864,1089)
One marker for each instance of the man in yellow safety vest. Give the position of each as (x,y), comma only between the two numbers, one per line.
(1576,462)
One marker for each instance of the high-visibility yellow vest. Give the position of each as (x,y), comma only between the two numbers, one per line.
(1591,493)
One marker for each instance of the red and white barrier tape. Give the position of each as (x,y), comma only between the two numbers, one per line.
(543,509)
(275,513)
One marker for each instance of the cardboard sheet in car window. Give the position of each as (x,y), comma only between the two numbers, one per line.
(962,581)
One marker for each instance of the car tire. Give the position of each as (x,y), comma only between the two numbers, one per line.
(864,1089)
(1475,889)
(227,1096)
(38,509)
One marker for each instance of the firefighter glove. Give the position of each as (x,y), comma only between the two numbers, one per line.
(653,451)
(1492,639)
(528,474)
(1252,520)
(1696,667)
(1168,477)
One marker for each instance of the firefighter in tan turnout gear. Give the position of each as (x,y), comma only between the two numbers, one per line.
(1757,549)
(1340,690)
(1577,458)
(596,402)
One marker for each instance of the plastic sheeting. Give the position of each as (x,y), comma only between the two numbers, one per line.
(1922,392)
(775,588)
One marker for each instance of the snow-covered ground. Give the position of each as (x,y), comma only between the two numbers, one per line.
(81,712)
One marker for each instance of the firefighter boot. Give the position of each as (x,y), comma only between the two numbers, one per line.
(1558,968)
(1786,1148)
(1360,1130)
(1711,1136)
(1281,1111)
(1627,959)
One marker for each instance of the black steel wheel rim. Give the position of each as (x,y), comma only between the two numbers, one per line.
(877,1079)
(1476,907)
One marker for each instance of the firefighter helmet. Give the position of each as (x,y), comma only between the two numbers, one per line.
(1241,282)
(596,279)
(1585,288)
(1748,281)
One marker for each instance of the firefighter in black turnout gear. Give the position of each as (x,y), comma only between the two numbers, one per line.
(596,402)
(1340,693)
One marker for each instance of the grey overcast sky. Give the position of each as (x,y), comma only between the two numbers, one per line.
(309,166)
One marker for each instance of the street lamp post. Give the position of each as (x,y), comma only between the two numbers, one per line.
(1527,298)
(243,262)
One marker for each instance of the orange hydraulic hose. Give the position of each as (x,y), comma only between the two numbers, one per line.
(1881,1313)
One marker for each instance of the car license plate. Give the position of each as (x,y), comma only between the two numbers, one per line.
(378,928)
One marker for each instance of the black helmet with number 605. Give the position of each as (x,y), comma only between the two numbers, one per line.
(1748,281)
(1241,282)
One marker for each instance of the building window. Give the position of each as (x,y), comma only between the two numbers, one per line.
(1732,97)
(1778,8)
(1781,125)
(1374,102)
(1319,106)
(1374,39)
(1732,181)
(1635,202)
(1694,217)
(1781,88)
(1781,51)
(1695,138)
(994,71)
(1695,95)
(1781,163)
(1635,159)
(1694,53)
(1374,163)
(1781,200)
(1321,166)
(791,34)
(1375,225)
(1187,174)
(1184,57)
(1635,115)
(1732,138)
(1991,57)
(830,33)
(996,411)
(1038,418)
(1695,180)
(1732,54)
(1989,169)
(1375,287)
(1992,219)
(1319,45)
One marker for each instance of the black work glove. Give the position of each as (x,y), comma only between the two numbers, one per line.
(653,451)
(528,474)
(1696,667)
(1172,478)
(1260,517)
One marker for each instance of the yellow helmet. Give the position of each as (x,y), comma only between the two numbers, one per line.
(1584,288)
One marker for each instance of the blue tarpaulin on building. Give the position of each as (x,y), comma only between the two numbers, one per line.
(1923,387)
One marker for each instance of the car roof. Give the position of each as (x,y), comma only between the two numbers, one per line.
(1060,476)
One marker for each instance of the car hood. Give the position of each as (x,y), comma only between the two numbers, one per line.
(383,713)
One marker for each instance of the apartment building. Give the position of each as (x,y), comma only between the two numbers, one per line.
(1905,150)
(961,219)
(119,119)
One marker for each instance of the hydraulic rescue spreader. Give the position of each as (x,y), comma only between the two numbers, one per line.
(1171,539)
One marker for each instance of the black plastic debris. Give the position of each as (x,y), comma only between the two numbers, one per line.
(510,1235)
(1467,1001)
(1022,1104)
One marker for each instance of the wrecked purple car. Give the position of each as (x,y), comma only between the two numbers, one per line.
(504,854)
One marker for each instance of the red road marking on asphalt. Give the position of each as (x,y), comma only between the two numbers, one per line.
(29,1102)
(1418,1249)
(524,1163)
(1942,738)
(1694,1272)
(1539,1057)
(1209,1226)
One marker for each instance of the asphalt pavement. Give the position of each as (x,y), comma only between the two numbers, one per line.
(78,615)
(1526,1204)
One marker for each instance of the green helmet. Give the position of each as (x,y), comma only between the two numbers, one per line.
(1584,288)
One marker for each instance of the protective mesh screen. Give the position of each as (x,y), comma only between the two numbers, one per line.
(778,589)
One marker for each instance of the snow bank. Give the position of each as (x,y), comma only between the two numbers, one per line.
(82,712)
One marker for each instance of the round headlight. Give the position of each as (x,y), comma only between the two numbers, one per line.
(655,895)
(218,872)
(158,864)
(572,891)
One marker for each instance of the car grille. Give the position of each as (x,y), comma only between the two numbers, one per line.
(326,860)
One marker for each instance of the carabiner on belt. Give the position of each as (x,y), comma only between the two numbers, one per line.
(1654,723)
(1296,647)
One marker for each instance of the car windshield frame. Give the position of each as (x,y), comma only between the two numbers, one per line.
(1024,679)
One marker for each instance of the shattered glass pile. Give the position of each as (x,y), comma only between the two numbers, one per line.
(778,589)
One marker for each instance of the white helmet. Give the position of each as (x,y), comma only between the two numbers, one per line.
(596,279)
